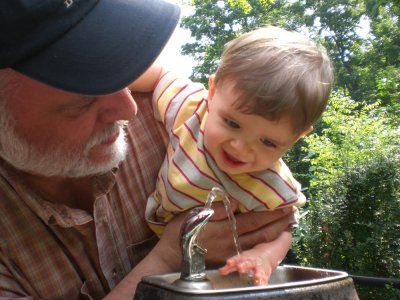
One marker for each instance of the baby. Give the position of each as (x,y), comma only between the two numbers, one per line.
(271,86)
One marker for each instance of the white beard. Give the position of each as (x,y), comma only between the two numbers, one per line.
(58,161)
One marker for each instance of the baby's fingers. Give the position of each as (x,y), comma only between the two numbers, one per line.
(246,265)
(227,269)
(230,265)
(240,263)
(260,277)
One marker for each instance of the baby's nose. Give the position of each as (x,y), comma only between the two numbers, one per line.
(241,146)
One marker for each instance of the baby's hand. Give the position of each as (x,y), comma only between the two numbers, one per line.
(255,262)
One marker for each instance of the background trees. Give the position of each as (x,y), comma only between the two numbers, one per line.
(350,165)
(352,219)
(361,36)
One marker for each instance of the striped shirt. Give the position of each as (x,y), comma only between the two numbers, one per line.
(50,251)
(189,173)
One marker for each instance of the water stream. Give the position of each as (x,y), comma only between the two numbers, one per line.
(217,193)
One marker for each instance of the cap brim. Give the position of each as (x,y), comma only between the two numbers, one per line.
(114,44)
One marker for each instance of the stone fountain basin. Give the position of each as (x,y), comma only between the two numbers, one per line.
(287,282)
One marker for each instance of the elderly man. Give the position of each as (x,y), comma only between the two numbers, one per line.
(79,155)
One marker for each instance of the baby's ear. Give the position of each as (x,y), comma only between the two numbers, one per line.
(211,86)
(307,131)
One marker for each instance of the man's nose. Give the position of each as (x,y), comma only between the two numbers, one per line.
(117,106)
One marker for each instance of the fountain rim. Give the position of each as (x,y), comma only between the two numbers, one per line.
(160,281)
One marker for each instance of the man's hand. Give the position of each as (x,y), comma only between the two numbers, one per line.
(253,228)
(165,257)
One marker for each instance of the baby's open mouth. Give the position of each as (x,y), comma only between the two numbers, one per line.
(231,159)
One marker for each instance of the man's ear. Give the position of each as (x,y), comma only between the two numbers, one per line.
(211,86)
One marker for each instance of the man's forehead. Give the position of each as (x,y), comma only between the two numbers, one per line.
(17,76)
(16,80)
(6,75)
(23,93)
(11,80)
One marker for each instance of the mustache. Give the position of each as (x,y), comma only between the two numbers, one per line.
(102,136)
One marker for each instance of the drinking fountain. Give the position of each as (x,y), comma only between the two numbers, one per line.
(193,275)
(194,282)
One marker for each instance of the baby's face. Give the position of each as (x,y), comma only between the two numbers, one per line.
(243,143)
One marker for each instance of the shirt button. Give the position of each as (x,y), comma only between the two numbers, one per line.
(114,273)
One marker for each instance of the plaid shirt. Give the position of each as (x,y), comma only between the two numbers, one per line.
(50,251)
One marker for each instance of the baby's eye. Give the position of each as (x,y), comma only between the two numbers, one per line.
(232,124)
(268,143)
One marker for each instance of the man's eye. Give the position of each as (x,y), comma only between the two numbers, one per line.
(232,124)
(79,107)
(88,102)
(268,143)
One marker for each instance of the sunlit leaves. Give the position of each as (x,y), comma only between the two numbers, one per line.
(353,133)
(244,5)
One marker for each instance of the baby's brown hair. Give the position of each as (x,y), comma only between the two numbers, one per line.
(277,73)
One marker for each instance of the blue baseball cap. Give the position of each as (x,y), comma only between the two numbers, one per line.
(90,47)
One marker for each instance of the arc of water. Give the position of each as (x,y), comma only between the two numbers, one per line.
(216,193)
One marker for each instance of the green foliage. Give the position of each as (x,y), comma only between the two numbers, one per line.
(358,220)
(354,224)
(351,221)
(214,23)
(244,5)
(379,64)
(351,133)
(366,62)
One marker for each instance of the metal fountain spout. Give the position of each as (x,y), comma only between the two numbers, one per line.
(193,273)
